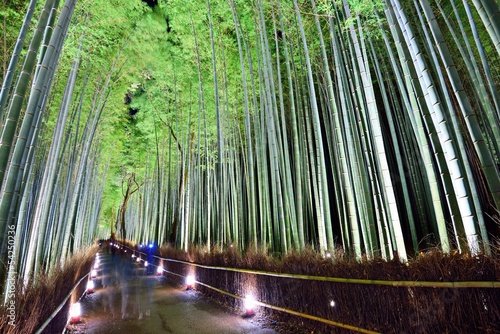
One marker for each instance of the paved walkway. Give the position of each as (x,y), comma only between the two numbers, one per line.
(127,300)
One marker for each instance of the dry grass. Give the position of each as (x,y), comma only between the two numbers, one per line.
(381,308)
(36,302)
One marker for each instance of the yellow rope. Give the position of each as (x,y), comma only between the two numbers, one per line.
(413,284)
(304,315)
(464,284)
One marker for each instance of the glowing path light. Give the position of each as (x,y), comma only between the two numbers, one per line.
(249,303)
(190,282)
(94,273)
(146,263)
(75,312)
(138,259)
(159,271)
(90,286)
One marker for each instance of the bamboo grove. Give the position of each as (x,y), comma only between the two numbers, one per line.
(367,126)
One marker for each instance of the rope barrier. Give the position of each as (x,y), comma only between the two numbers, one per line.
(277,308)
(464,284)
(53,315)
(282,309)
(304,315)
(413,284)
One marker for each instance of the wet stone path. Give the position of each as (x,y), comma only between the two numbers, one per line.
(127,299)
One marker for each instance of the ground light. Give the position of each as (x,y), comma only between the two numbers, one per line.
(93,273)
(249,304)
(75,312)
(146,264)
(90,286)
(138,259)
(190,282)
(159,271)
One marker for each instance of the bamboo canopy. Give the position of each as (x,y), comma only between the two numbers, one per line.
(370,127)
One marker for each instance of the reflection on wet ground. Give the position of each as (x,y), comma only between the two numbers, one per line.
(126,283)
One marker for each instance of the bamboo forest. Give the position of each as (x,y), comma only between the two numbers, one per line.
(348,132)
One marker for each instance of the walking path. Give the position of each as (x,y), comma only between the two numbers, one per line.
(127,300)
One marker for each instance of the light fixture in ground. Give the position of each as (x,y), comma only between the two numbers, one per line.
(159,271)
(249,303)
(138,259)
(90,286)
(145,263)
(190,282)
(332,303)
(75,312)
(93,274)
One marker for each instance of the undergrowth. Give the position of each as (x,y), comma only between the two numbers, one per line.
(35,302)
(387,309)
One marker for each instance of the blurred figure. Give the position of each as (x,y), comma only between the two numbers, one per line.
(138,307)
(149,282)
(109,282)
(150,259)
(126,274)
(113,252)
